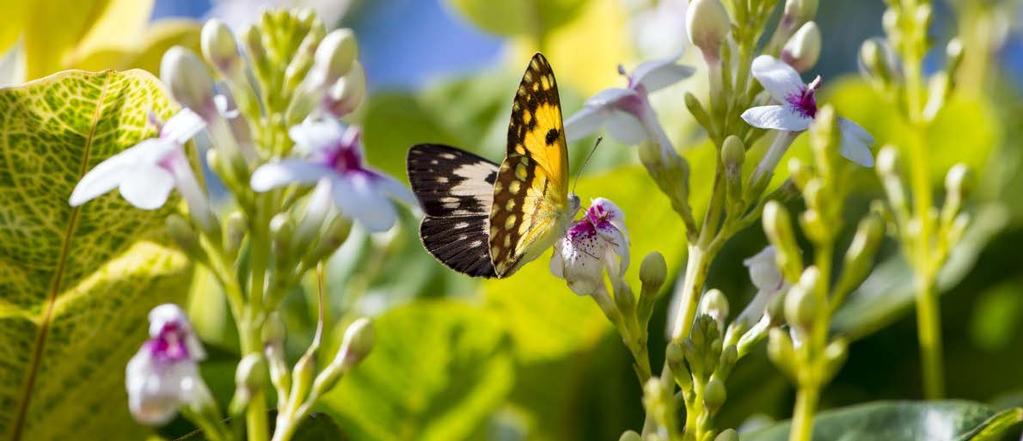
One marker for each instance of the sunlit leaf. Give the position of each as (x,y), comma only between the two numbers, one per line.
(534,18)
(76,283)
(437,371)
(899,420)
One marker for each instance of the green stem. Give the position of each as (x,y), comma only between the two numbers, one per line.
(802,421)
(256,412)
(251,332)
(929,333)
(697,268)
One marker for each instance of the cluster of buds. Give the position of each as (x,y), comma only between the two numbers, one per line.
(805,351)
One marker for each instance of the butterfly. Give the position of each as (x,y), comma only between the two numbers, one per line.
(488,220)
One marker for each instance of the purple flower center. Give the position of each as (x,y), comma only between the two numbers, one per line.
(170,345)
(345,157)
(597,217)
(805,101)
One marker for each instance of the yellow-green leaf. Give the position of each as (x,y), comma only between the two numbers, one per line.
(75,283)
(535,18)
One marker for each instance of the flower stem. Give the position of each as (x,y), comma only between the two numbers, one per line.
(697,268)
(929,334)
(802,421)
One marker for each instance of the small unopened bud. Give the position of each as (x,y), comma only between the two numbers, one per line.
(887,159)
(250,375)
(235,230)
(334,235)
(953,55)
(624,299)
(707,26)
(189,81)
(861,252)
(714,394)
(800,11)
(181,232)
(715,304)
(676,356)
(733,153)
(923,14)
(220,47)
(630,436)
(834,357)
(347,93)
(335,55)
(729,355)
(803,48)
(652,273)
(358,342)
(780,350)
(727,435)
(696,109)
(778,227)
(874,61)
(958,181)
(799,172)
(801,303)
(281,229)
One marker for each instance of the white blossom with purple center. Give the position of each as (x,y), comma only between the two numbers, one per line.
(163,375)
(593,244)
(333,159)
(797,108)
(627,113)
(146,173)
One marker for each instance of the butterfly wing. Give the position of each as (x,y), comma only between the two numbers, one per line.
(530,196)
(455,189)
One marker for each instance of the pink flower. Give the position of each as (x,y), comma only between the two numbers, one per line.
(593,244)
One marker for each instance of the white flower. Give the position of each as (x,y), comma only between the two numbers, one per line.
(763,272)
(164,374)
(595,243)
(627,112)
(146,173)
(334,159)
(797,108)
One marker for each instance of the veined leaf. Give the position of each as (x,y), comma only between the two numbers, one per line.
(75,283)
(437,371)
(902,420)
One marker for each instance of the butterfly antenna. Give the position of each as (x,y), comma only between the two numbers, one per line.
(585,161)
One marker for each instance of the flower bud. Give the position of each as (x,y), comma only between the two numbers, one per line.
(800,11)
(953,54)
(714,394)
(281,230)
(184,237)
(624,299)
(780,350)
(801,302)
(803,48)
(729,355)
(887,159)
(348,92)
(249,377)
(715,304)
(334,235)
(727,435)
(630,436)
(778,227)
(958,179)
(335,55)
(696,109)
(189,81)
(707,26)
(652,272)
(220,47)
(733,153)
(815,227)
(357,344)
(834,357)
(675,354)
(800,173)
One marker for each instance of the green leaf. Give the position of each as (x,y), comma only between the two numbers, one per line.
(888,292)
(902,420)
(966,130)
(437,371)
(511,18)
(76,283)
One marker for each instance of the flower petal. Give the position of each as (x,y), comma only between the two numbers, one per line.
(356,197)
(182,126)
(288,171)
(395,189)
(625,128)
(585,122)
(763,270)
(777,118)
(608,97)
(655,75)
(315,136)
(778,78)
(856,142)
(146,186)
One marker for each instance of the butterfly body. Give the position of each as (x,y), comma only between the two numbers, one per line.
(485,219)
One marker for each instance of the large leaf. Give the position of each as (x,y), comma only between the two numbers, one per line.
(902,420)
(75,284)
(437,371)
(534,18)
(58,32)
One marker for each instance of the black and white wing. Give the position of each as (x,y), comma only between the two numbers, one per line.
(456,190)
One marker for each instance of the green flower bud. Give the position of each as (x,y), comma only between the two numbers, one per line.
(696,109)
(778,227)
(824,140)
(715,305)
(799,172)
(729,356)
(236,229)
(189,81)
(803,48)
(727,435)
(256,52)
(815,227)
(861,252)
(923,14)
(887,159)
(250,376)
(707,26)
(800,11)
(281,229)
(303,376)
(630,436)
(675,354)
(957,180)
(801,303)
(652,273)
(834,357)
(335,55)
(714,395)
(624,299)
(335,234)
(181,232)
(220,47)
(733,153)
(780,351)
(357,344)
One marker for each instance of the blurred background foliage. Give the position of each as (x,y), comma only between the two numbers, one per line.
(525,358)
